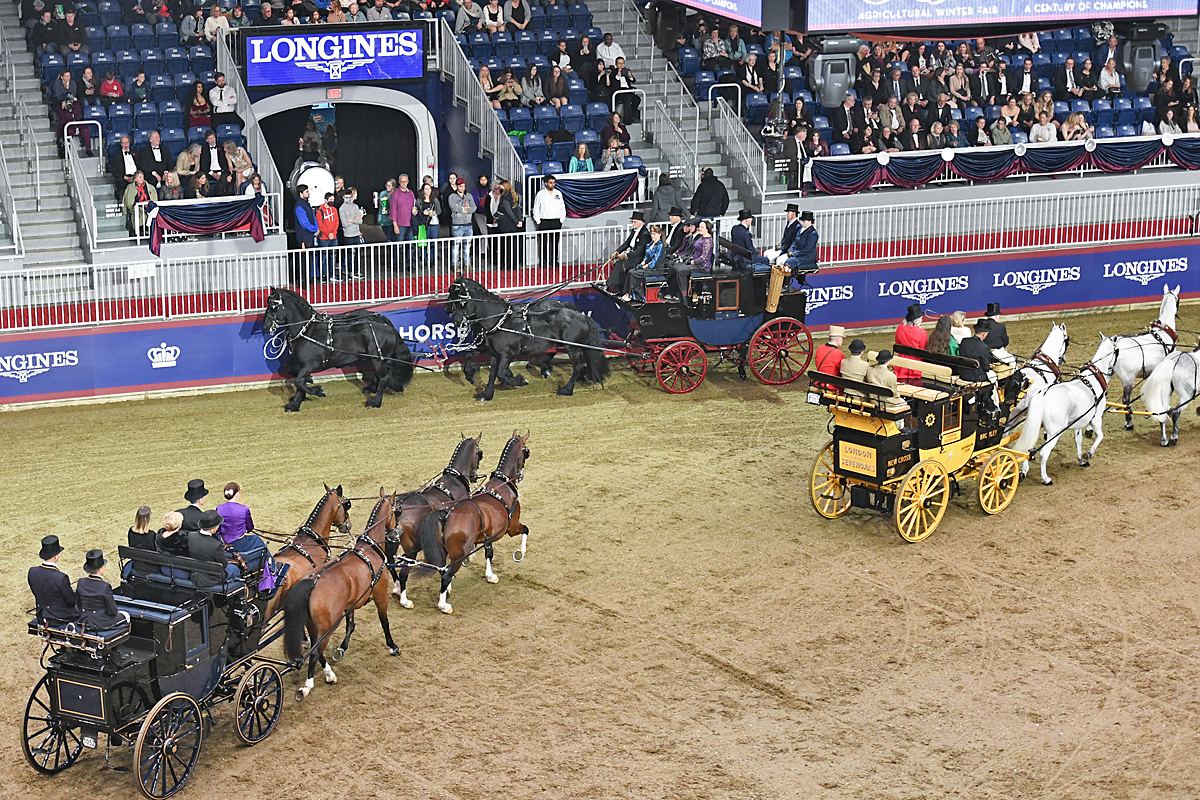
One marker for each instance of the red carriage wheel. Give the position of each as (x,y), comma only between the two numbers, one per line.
(780,351)
(640,358)
(681,367)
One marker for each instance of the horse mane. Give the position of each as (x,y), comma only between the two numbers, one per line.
(508,448)
(305,306)
(371,519)
(316,509)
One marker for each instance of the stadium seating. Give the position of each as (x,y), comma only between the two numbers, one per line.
(552,168)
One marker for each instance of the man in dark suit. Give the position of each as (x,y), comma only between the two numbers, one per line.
(976,347)
(98,607)
(212,156)
(790,231)
(942,112)
(155,160)
(1111,50)
(56,600)
(675,233)
(992,84)
(744,239)
(841,121)
(123,166)
(192,512)
(1066,82)
(1026,78)
(897,85)
(912,139)
(792,151)
(629,254)
(997,332)
(206,546)
(921,85)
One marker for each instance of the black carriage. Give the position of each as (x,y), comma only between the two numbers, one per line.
(725,312)
(193,642)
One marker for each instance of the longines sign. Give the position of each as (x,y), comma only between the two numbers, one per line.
(338,54)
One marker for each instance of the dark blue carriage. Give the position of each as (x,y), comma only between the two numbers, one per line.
(193,641)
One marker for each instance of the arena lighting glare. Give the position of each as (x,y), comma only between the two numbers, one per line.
(889,15)
(336,54)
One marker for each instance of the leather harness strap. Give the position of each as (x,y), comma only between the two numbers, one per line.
(1048,361)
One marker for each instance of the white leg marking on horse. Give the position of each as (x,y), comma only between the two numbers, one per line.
(443,605)
(524,542)
(404,601)
(330,677)
(487,572)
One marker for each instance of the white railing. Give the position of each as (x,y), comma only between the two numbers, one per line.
(256,143)
(527,262)
(740,145)
(30,147)
(10,69)
(17,248)
(481,117)
(81,190)
(676,150)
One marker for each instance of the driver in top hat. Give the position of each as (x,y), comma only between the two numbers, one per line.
(56,600)
(629,254)
(778,255)
(744,239)
(997,334)
(802,255)
(194,495)
(207,546)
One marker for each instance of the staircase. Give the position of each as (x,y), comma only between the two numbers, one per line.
(708,154)
(49,231)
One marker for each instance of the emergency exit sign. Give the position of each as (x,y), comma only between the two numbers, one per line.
(333,93)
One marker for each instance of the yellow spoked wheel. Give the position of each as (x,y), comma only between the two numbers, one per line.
(829,493)
(921,500)
(998,481)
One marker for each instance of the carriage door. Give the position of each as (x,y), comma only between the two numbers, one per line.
(952,421)
(729,298)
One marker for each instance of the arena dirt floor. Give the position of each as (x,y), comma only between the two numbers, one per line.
(684,625)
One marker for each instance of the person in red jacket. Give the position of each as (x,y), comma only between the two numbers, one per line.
(828,358)
(328,223)
(910,333)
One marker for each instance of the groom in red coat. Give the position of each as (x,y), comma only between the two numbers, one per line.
(910,333)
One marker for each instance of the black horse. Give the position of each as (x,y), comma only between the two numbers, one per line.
(530,331)
(319,341)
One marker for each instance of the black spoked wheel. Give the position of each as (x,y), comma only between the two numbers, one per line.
(258,703)
(50,745)
(168,746)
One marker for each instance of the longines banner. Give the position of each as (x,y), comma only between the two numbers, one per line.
(866,15)
(229,350)
(327,54)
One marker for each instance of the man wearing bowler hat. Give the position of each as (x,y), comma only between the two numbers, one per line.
(778,255)
(631,253)
(195,495)
(743,238)
(802,255)
(207,546)
(881,375)
(98,607)
(56,601)
(854,367)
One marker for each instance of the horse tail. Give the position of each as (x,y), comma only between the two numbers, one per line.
(596,360)
(1156,392)
(295,618)
(402,365)
(429,536)
(1033,423)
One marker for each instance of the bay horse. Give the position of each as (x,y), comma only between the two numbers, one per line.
(309,547)
(318,341)
(478,521)
(528,331)
(319,602)
(412,508)
(1138,355)
(1178,374)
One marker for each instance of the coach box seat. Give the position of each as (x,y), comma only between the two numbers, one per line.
(178,572)
(76,636)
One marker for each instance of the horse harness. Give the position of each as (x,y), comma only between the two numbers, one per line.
(1045,362)
(328,343)
(305,529)
(488,490)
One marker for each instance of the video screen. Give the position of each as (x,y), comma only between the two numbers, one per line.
(888,15)
(748,11)
(350,54)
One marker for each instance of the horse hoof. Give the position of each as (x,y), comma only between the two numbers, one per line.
(316,391)
(1085,463)
(446,609)
(546,373)
(1173,443)
(395,651)
(290,410)
(406,603)
(301,693)
(493,578)
(1128,426)
(331,679)
(1048,483)
(564,392)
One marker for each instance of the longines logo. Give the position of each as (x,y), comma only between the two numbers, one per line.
(824,295)
(23,367)
(1145,271)
(1035,280)
(923,290)
(335,54)
(162,356)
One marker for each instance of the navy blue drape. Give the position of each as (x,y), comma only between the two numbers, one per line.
(587,194)
(915,170)
(1185,153)
(1126,156)
(984,164)
(845,177)
(1054,159)
(212,217)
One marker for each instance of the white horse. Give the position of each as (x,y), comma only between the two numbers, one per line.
(1180,374)
(1137,356)
(1071,405)
(1041,371)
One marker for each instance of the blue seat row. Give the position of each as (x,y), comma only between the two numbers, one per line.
(173,138)
(525,43)
(555,166)
(140,36)
(127,63)
(543,119)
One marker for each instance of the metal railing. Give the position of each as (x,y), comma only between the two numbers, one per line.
(30,148)
(10,208)
(678,152)
(256,143)
(481,117)
(81,189)
(10,69)
(740,145)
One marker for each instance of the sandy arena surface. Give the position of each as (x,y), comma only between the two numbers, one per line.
(684,625)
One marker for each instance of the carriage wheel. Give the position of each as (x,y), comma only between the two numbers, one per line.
(829,494)
(921,500)
(998,481)
(780,351)
(640,358)
(257,703)
(50,746)
(168,745)
(681,367)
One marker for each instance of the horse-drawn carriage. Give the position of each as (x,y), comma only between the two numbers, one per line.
(906,453)
(192,643)
(727,313)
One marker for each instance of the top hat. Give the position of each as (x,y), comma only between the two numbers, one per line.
(95,560)
(745,213)
(693,221)
(792,208)
(836,331)
(883,357)
(914,313)
(857,346)
(675,211)
(637,215)
(993,310)
(50,548)
(210,519)
(806,215)
(195,490)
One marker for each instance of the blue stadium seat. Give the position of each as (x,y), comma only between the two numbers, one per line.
(1105,132)
(503,45)
(590,138)
(806,96)
(527,44)
(202,59)
(174,140)
(128,64)
(120,118)
(1123,113)
(1102,109)
(538,21)
(580,17)
(142,36)
(517,65)
(597,114)
(87,15)
(167,35)
(1019,136)
(1126,130)
(170,114)
(110,12)
(447,15)
(992,113)
(1040,61)
(822,122)
(139,139)
(112,144)
(153,62)
(795,79)
(971,113)
(397,14)
(548,41)
(76,63)
(595,34)
(177,60)
(756,50)
(502,115)
(1059,60)
(118,37)
(1044,85)
(96,38)
(689,61)
(756,108)
(162,88)
(145,115)
(559,17)
(1061,34)
(1061,111)
(183,86)
(495,65)
(561,151)
(1143,110)
(633,162)
(52,64)
(571,36)
(98,114)
(552,168)
(519,119)
(535,147)
(230,133)
(577,92)
(196,134)
(839,149)
(543,63)
(572,118)
(1082,34)
(532,170)
(481,45)
(956,114)
(545,119)
(424,16)
(464,43)
(1085,108)
(704,79)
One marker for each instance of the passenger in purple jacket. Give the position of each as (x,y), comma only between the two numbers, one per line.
(400,209)
(236,525)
